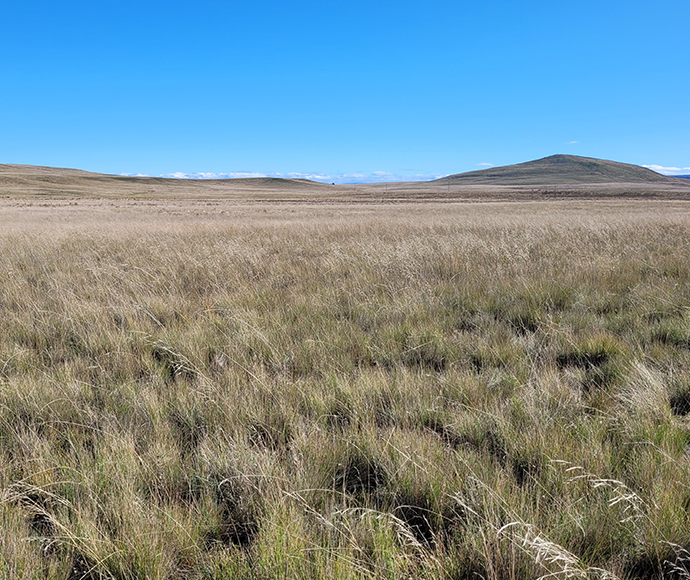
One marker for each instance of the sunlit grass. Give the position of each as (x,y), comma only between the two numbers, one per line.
(483,397)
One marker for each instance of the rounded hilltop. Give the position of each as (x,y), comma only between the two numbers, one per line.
(560,170)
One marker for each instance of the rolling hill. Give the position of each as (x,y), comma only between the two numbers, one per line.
(55,181)
(560,170)
(554,176)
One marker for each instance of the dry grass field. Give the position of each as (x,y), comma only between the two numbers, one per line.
(257,388)
(556,177)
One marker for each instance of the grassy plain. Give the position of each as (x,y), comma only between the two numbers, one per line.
(219,389)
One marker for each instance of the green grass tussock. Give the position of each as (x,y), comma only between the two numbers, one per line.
(425,397)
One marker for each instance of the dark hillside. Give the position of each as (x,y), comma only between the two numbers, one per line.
(560,170)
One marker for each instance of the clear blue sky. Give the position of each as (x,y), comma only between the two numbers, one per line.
(341,88)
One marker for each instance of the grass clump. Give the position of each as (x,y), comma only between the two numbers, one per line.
(486,394)
(680,397)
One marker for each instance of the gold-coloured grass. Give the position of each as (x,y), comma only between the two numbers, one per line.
(224,389)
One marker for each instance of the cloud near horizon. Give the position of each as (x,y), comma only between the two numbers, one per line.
(484,165)
(340,178)
(668,170)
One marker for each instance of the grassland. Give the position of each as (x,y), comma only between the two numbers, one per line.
(555,177)
(302,390)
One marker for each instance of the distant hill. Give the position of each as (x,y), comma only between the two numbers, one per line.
(683,176)
(557,176)
(559,170)
(56,181)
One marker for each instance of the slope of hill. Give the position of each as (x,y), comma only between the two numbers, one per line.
(560,170)
(56,181)
(557,176)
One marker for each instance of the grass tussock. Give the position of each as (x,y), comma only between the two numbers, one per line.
(420,397)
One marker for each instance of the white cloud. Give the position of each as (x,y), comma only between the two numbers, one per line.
(572,142)
(383,177)
(297,175)
(373,177)
(668,170)
(485,165)
(177,175)
(210,175)
(133,175)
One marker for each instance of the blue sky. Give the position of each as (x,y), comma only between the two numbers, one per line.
(341,91)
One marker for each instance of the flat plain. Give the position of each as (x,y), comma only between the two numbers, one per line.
(345,382)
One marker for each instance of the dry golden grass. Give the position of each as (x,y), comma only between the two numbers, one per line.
(236,389)
(539,180)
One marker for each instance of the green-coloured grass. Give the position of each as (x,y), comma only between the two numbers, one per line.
(418,398)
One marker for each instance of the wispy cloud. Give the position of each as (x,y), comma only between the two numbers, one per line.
(373,177)
(484,165)
(383,177)
(668,170)
(572,142)
(210,175)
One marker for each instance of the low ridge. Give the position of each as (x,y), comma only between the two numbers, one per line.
(557,175)
(47,181)
(559,170)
